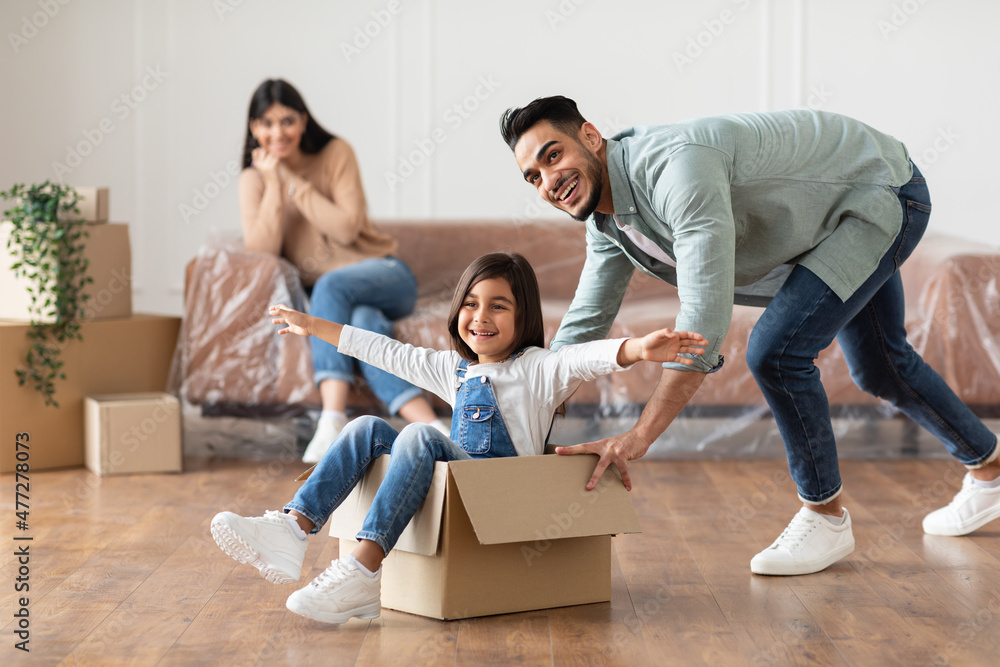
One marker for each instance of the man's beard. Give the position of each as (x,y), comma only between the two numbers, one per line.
(593,175)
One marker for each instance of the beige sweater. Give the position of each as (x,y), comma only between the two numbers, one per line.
(323,225)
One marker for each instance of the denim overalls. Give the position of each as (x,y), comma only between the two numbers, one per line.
(477,425)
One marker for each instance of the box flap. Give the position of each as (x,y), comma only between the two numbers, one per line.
(526,498)
(420,536)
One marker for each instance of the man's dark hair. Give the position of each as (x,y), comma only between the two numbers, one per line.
(558,110)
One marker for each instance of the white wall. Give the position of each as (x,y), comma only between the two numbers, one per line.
(922,70)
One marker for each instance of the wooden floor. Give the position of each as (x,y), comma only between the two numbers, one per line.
(123,571)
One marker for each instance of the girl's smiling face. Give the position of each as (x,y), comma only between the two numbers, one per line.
(487,320)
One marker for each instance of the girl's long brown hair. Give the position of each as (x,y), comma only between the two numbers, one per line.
(515,269)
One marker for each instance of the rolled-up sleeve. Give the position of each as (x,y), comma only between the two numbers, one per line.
(692,191)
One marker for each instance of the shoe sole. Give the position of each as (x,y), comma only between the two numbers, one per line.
(240,550)
(364,613)
(975,524)
(795,569)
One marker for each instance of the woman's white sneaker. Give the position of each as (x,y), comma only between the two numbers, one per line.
(327,430)
(340,593)
(809,544)
(972,507)
(268,542)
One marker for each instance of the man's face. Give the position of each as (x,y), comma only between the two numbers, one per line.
(566,173)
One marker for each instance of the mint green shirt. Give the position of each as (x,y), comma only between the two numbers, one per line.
(737,201)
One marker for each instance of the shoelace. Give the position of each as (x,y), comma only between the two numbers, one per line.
(963,494)
(794,533)
(332,575)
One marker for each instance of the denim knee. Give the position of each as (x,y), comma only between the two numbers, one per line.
(416,440)
(762,356)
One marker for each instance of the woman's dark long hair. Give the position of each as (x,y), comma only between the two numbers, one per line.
(279,91)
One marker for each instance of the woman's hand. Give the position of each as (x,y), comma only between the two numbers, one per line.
(266,163)
(298,323)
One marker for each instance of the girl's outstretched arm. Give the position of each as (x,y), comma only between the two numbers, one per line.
(661,346)
(305,325)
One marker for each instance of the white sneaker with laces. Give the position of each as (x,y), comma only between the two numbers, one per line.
(327,430)
(267,542)
(809,544)
(971,508)
(340,593)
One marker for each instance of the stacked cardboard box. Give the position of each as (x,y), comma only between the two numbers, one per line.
(109,259)
(125,355)
(120,352)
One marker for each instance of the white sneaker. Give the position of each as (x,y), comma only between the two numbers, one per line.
(327,430)
(340,593)
(971,508)
(809,544)
(267,542)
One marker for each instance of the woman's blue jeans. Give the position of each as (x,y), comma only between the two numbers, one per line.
(369,295)
(804,318)
(408,478)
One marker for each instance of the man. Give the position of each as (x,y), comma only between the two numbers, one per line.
(807,213)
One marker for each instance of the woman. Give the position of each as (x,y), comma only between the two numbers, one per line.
(301,198)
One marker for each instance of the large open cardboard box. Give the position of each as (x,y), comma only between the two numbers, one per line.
(497,536)
(126,355)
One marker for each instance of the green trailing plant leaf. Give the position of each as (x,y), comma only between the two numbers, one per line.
(47,243)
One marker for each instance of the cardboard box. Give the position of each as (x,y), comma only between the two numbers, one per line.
(110,256)
(497,536)
(116,356)
(93,203)
(132,433)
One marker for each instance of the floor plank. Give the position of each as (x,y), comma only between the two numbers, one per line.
(124,571)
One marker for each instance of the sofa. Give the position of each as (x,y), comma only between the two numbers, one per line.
(231,361)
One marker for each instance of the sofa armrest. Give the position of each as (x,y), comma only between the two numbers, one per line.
(228,349)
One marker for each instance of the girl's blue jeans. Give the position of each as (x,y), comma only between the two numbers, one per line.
(369,295)
(408,478)
(804,318)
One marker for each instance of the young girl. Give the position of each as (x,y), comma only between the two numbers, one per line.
(504,388)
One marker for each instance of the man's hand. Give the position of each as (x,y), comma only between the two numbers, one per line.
(617,450)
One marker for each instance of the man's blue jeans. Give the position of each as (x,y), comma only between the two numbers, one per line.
(408,478)
(804,318)
(369,295)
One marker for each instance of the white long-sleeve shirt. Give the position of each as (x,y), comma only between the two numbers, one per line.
(529,388)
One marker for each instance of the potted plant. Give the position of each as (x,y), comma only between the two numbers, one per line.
(47,240)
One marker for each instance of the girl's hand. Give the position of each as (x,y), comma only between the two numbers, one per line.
(664,345)
(266,163)
(298,323)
